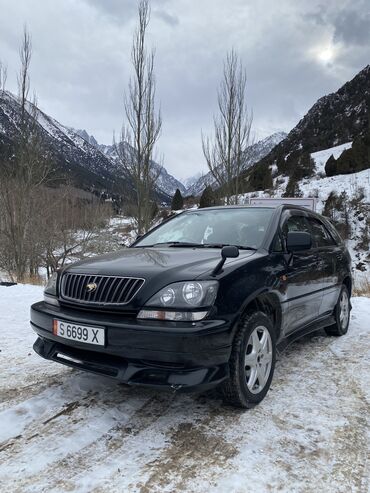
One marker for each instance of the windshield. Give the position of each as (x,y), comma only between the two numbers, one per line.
(243,227)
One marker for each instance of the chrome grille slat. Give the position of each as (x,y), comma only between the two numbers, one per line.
(81,282)
(100,288)
(119,284)
(111,290)
(73,282)
(130,289)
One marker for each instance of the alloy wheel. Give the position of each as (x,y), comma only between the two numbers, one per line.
(258,359)
(343,309)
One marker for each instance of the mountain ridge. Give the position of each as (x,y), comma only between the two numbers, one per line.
(334,119)
(253,153)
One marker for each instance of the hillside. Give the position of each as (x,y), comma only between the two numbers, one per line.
(76,155)
(73,157)
(334,119)
(165,182)
(255,152)
(340,117)
(345,199)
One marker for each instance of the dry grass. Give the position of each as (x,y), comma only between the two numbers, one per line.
(362,288)
(35,280)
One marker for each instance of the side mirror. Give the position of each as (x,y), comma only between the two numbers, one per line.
(230,251)
(298,240)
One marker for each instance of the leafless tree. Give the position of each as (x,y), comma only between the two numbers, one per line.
(22,175)
(142,127)
(3,76)
(70,226)
(226,151)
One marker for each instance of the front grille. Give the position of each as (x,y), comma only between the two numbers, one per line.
(99,290)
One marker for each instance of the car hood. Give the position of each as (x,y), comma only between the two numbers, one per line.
(179,263)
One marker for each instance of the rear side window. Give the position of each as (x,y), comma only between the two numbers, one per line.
(320,234)
(334,232)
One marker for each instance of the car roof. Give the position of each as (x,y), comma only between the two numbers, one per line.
(247,206)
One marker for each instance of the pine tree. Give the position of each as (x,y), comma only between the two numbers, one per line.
(292,189)
(331,166)
(208,198)
(260,177)
(177,201)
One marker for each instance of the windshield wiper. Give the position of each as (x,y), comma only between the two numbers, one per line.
(188,244)
(221,245)
(171,244)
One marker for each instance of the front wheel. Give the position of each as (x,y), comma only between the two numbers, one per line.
(252,361)
(341,313)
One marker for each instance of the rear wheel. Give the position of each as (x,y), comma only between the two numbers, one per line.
(341,314)
(252,361)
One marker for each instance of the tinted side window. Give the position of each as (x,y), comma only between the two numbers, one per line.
(335,234)
(320,234)
(295,223)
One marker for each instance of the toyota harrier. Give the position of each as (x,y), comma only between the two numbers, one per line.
(204,299)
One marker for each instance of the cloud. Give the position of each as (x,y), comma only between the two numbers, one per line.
(169,19)
(81,61)
(352,27)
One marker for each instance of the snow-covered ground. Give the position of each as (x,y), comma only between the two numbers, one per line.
(65,430)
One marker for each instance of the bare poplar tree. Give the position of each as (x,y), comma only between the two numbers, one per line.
(226,152)
(21,178)
(143,124)
(3,76)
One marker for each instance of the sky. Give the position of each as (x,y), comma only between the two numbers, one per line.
(294,51)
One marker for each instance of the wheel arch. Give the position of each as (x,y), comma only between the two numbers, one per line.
(347,281)
(265,302)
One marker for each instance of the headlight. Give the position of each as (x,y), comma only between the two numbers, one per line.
(189,294)
(50,291)
(181,302)
(51,286)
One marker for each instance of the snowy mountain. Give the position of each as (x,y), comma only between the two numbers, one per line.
(75,154)
(73,157)
(333,120)
(165,182)
(195,185)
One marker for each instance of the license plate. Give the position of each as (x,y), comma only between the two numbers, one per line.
(80,333)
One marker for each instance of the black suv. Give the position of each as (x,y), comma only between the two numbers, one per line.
(203,299)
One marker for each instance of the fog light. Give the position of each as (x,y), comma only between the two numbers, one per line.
(51,300)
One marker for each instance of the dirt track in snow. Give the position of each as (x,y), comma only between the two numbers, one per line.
(64,430)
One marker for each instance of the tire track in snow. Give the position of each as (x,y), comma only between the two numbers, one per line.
(197,453)
(102,454)
(11,396)
(345,448)
(54,423)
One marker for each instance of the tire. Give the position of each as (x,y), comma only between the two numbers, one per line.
(342,313)
(239,390)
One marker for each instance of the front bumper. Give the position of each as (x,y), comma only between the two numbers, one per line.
(172,355)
